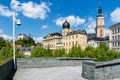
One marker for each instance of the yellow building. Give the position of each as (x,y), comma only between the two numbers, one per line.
(66,39)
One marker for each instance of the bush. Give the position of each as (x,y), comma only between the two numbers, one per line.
(41,52)
(59,53)
(2,61)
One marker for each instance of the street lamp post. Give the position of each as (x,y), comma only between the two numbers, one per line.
(14,23)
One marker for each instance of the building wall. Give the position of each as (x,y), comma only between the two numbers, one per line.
(115,37)
(95,43)
(51,42)
(92,43)
(76,39)
(65,31)
(65,42)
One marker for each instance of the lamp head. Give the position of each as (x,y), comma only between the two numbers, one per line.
(18,22)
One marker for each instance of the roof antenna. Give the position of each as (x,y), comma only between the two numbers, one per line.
(99,3)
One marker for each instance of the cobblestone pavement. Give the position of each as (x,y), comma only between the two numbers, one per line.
(53,73)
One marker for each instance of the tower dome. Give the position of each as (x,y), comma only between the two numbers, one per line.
(66,25)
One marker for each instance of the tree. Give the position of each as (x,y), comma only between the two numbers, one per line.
(7,52)
(75,51)
(26,42)
(59,52)
(103,46)
(41,52)
(2,42)
(89,52)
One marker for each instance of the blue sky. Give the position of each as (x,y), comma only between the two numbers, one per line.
(41,17)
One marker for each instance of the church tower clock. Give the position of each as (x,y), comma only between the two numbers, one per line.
(100,26)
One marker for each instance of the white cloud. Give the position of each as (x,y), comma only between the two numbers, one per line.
(5,36)
(73,20)
(31,9)
(44,27)
(38,39)
(1,31)
(115,15)
(90,25)
(4,11)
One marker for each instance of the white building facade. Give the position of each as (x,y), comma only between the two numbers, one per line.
(114,37)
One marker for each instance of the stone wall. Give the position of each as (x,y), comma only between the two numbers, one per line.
(6,70)
(48,62)
(101,70)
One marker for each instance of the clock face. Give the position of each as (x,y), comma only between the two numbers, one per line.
(100,22)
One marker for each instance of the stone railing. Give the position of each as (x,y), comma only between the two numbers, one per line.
(101,70)
(6,70)
(48,62)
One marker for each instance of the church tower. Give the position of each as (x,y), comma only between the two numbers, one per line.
(66,28)
(100,26)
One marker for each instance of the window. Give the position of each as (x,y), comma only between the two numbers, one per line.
(113,37)
(101,31)
(118,36)
(118,43)
(72,43)
(69,43)
(69,37)
(63,44)
(73,37)
(117,30)
(76,36)
(76,42)
(101,35)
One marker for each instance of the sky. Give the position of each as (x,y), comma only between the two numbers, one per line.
(42,17)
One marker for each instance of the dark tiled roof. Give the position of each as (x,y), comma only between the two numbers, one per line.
(117,24)
(77,32)
(54,34)
(98,39)
(24,49)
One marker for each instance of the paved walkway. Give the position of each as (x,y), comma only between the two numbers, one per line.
(53,73)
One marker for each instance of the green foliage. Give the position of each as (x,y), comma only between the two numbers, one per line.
(41,52)
(75,51)
(19,54)
(26,42)
(104,54)
(59,53)
(7,52)
(89,52)
(2,61)
(101,53)
(2,42)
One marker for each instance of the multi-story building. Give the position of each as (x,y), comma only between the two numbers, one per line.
(66,39)
(114,37)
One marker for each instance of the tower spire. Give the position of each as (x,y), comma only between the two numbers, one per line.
(99,9)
